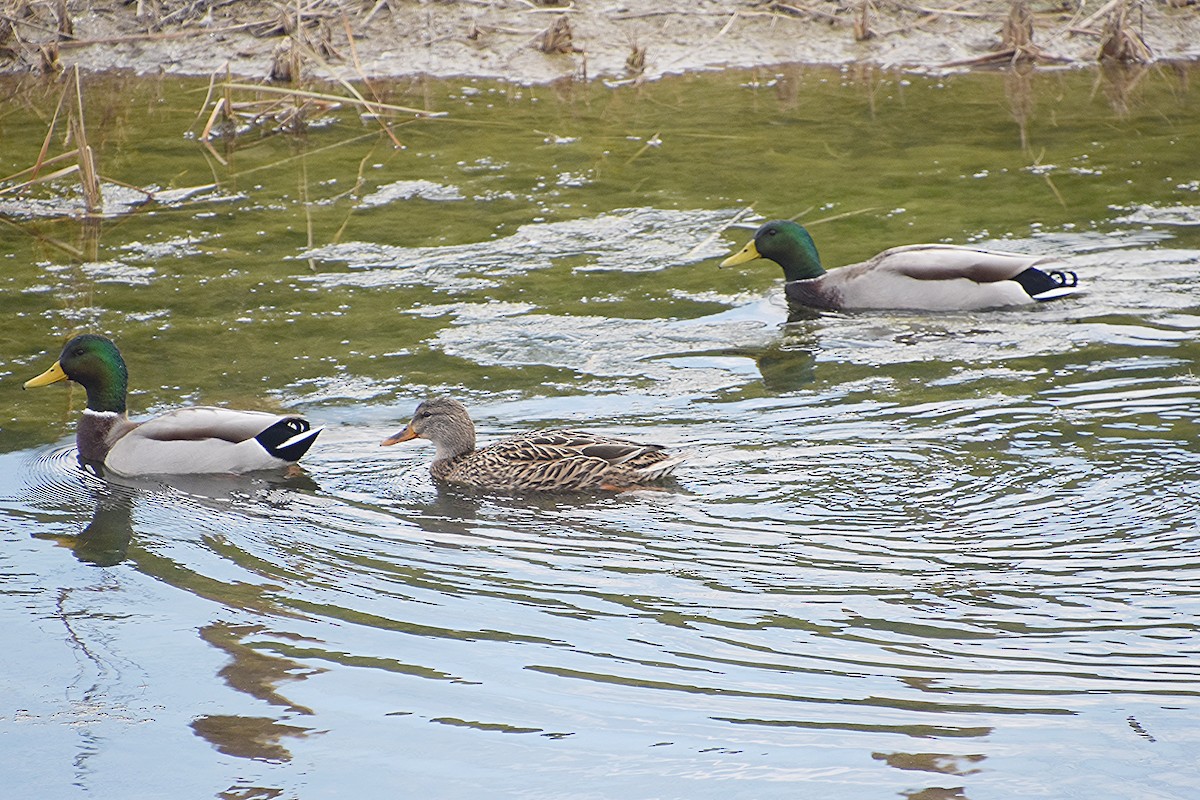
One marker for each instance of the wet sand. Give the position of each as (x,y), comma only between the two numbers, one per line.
(539,41)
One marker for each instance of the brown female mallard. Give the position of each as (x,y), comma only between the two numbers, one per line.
(540,461)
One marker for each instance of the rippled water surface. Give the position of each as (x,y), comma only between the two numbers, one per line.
(911,555)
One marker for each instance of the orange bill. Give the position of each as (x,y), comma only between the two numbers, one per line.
(402,436)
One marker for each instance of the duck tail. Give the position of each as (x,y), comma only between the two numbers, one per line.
(660,469)
(1042,286)
(288,439)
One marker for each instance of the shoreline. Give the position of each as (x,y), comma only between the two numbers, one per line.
(542,41)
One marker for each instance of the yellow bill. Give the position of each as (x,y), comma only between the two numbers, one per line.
(747,253)
(52,375)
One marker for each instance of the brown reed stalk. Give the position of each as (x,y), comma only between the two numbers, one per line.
(89,178)
(1120,41)
(862,21)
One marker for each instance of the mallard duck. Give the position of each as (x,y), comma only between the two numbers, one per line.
(929,277)
(191,440)
(543,461)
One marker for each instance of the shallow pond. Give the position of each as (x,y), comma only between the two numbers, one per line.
(915,555)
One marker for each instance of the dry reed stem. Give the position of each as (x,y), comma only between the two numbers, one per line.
(354,52)
(213,152)
(284,161)
(954,11)
(206,134)
(366,81)
(371,106)
(62,98)
(724,30)
(927,16)
(635,62)
(89,178)
(66,28)
(48,63)
(862,21)
(547,5)
(1054,190)
(1100,12)
(212,84)
(226,92)
(1017,32)
(45,178)
(360,180)
(286,62)
(380,4)
(71,250)
(712,237)
(794,10)
(653,141)
(358,95)
(558,38)
(1049,182)
(33,171)
(1121,42)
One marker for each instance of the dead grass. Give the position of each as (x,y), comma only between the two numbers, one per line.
(1120,40)
(85,169)
(558,38)
(40,35)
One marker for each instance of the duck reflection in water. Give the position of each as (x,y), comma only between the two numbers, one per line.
(105,539)
(258,673)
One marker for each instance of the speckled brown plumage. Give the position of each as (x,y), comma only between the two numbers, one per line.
(539,461)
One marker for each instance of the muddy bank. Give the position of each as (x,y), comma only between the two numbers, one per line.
(538,41)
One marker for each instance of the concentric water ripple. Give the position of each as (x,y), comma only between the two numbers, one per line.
(951,543)
(912,555)
(946,565)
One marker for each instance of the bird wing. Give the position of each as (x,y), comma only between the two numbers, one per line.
(556,460)
(550,445)
(207,422)
(935,262)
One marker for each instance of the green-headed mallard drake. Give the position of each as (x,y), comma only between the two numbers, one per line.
(541,461)
(929,277)
(191,440)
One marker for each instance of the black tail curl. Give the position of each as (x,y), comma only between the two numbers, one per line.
(1035,282)
(1064,277)
(283,439)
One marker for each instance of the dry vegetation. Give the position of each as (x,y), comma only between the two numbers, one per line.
(276,67)
(538,40)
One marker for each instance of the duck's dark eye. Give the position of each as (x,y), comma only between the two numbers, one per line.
(771,231)
(79,351)
(425,414)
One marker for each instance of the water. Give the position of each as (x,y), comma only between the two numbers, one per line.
(914,555)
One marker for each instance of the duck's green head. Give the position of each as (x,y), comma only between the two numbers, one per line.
(95,363)
(787,244)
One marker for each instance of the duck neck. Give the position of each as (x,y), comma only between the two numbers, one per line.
(455,443)
(107,393)
(94,434)
(799,258)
